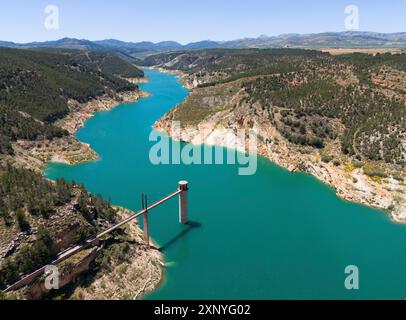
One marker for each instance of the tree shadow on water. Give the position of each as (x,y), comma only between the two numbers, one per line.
(189,227)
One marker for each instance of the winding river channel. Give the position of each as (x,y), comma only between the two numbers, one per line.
(273,235)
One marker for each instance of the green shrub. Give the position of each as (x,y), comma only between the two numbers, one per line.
(22,220)
(374,171)
(326,158)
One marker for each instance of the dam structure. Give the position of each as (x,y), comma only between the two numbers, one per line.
(94,241)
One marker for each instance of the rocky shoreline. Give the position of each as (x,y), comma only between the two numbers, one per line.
(349,181)
(138,276)
(82,112)
(68,150)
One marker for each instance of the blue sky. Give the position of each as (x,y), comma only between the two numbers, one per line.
(190,20)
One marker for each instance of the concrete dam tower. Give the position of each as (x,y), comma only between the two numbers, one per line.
(183,210)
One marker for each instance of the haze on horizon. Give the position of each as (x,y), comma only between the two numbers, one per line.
(186,21)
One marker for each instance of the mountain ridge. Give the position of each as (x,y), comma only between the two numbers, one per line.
(345,39)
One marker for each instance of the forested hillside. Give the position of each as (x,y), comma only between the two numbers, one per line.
(36,86)
(15,125)
(40,83)
(40,218)
(224,65)
(339,118)
(32,206)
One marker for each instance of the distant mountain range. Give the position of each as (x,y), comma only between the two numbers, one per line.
(129,48)
(348,39)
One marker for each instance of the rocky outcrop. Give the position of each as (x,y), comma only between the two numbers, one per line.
(80,112)
(139,274)
(350,182)
(68,150)
(69,271)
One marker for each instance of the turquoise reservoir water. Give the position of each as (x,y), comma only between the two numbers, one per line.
(274,235)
